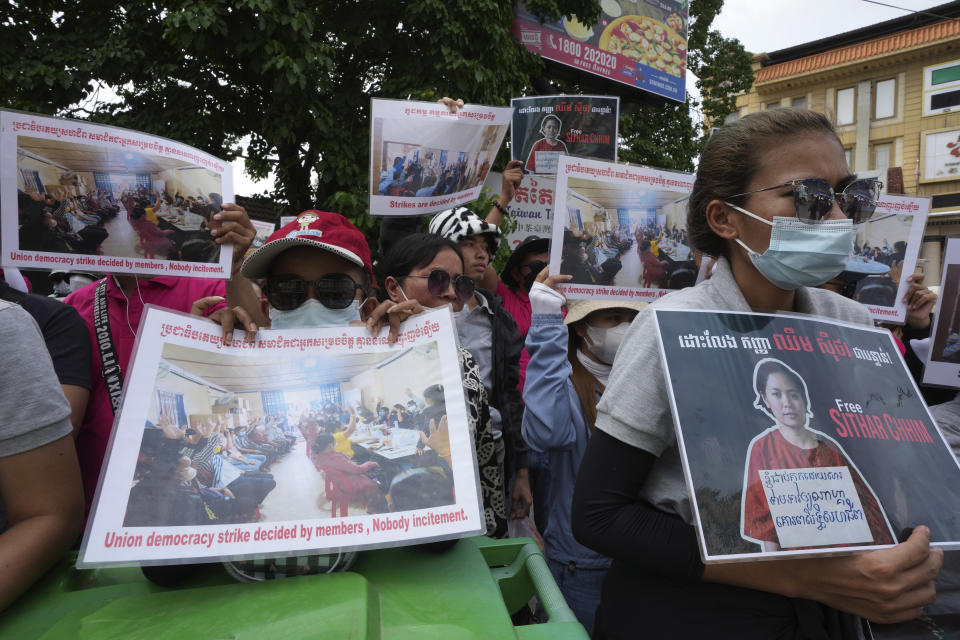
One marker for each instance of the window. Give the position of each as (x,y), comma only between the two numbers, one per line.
(848,154)
(31,179)
(941,88)
(885,98)
(272,402)
(846,99)
(171,404)
(880,158)
(799,103)
(102,180)
(731,117)
(773,105)
(330,392)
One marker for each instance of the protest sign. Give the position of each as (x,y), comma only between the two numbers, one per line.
(621,231)
(275,446)
(424,158)
(546,127)
(884,254)
(532,208)
(802,436)
(640,43)
(943,364)
(264,229)
(82,196)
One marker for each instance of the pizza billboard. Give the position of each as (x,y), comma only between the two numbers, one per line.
(641,43)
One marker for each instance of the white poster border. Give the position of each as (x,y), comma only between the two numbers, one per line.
(113,489)
(935,372)
(16,123)
(440,115)
(612,173)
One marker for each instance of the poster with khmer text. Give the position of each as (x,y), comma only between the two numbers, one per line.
(301,441)
(802,436)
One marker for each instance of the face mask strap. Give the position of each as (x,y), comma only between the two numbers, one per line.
(747,213)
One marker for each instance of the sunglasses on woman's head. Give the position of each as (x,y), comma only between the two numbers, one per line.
(438,283)
(334,291)
(813,198)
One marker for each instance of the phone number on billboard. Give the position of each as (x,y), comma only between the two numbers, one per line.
(602,58)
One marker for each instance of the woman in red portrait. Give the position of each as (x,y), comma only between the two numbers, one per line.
(791,444)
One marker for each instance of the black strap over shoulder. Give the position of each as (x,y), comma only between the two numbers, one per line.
(109,365)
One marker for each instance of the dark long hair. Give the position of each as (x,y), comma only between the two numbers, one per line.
(583,381)
(414,252)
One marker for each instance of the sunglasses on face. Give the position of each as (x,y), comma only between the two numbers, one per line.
(438,283)
(813,198)
(535,266)
(334,291)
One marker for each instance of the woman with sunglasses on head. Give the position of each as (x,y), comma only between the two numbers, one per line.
(426,271)
(775,203)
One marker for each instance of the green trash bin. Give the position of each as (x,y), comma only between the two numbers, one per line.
(402,593)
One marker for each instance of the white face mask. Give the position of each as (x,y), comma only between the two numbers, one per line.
(606,341)
(312,314)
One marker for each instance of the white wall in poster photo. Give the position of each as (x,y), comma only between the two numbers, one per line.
(69,158)
(943,364)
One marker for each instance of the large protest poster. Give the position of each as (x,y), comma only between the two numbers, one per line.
(943,364)
(84,196)
(532,208)
(621,231)
(801,436)
(642,43)
(276,447)
(425,158)
(884,254)
(546,127)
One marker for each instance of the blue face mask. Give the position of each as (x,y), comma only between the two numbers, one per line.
(312,314)
(802,254)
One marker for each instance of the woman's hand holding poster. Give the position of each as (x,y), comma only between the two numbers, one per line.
(301,440)
(802,436)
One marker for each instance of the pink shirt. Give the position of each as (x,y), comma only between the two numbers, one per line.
(171,292)
(517,305)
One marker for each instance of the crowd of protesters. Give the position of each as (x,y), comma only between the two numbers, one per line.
(566,400)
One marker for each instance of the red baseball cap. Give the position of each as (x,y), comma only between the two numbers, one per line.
(322,229)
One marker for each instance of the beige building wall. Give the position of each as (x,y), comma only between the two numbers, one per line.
(901,136)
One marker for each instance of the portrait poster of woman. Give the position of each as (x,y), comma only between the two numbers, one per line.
(801,436)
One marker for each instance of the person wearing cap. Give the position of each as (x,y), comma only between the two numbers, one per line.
(491,335)
(125,297)
(570,362)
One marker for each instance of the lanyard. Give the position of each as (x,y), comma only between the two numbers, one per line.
(110,368)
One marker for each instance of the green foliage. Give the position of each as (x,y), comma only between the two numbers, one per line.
(296,76)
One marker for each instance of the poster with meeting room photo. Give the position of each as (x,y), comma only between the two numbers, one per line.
(943,364)
(885,252)
(81,196)
(621,231)
(810,438)
(425,158)
(303,440)
(546,127)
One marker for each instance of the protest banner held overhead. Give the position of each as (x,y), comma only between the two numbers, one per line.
(943,363)
(884,253)
(802,436)
(331,472)
(425,158)
(642,43)
(532,208)
(621,231)
(82,196)
(545,127)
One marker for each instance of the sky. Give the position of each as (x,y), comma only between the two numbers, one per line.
(761,26)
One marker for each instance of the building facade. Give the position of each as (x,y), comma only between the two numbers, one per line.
(893,92)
